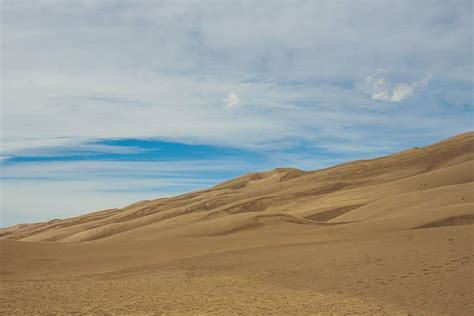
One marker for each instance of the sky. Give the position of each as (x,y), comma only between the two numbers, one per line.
(104,103)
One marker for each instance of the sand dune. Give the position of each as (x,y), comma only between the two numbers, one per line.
(388,235)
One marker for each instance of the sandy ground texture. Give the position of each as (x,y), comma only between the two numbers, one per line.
(392,235)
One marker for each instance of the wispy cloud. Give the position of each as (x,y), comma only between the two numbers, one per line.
(382,89)
(232,101)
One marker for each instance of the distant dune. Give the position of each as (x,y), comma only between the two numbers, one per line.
(387,235)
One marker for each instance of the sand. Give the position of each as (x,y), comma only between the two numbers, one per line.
(392,235)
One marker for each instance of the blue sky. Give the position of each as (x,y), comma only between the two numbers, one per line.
(108,102)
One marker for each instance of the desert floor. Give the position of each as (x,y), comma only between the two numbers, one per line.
(416,271)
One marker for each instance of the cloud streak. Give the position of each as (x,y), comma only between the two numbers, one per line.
(381,89)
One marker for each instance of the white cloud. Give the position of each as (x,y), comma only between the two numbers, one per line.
(402,91)
(380,88)
(232,101)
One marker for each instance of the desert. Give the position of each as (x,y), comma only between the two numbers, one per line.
(391,235)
